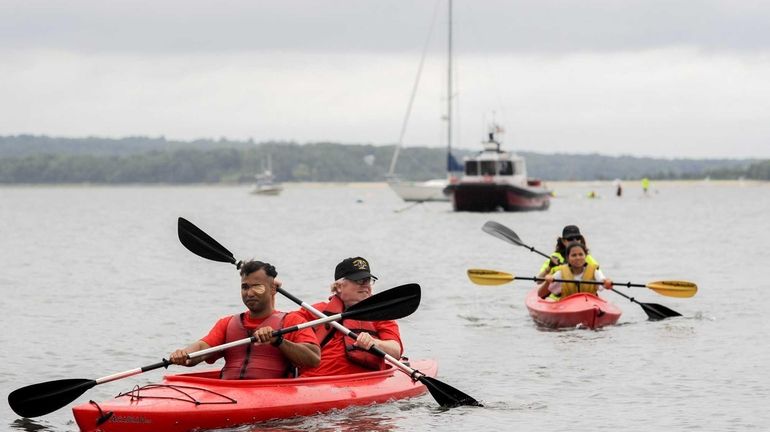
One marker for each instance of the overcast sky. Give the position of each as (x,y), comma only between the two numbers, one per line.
(645,78)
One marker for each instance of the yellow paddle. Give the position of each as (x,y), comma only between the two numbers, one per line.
(669,288)
(654,311)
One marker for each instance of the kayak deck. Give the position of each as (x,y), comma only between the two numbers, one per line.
(583,309)
(203,401)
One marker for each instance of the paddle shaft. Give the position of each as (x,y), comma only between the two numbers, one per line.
(374,350)
(537,279)
(218,348)
(503,232)
(532,249)
(116,376)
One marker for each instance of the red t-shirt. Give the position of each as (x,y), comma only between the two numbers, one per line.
(217,334)
(333,359)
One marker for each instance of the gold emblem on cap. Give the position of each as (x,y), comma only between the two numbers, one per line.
(360,264)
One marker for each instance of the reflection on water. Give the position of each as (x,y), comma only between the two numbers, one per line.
(29,425)
(346,420)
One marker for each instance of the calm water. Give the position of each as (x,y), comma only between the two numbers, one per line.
(94,281)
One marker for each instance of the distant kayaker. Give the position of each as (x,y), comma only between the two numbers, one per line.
(576,269)
(271,357)
(341,354)
(618,188)
(569,234)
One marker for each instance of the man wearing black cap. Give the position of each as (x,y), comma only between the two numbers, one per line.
(341,354)
(569,234)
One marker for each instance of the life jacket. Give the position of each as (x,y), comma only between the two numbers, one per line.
(325,333)
(252,361)
(569,288)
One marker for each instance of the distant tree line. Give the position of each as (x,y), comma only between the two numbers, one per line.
(41,160)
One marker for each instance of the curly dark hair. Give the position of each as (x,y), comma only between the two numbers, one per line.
(252,266)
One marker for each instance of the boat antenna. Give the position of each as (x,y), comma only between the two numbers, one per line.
(449,164)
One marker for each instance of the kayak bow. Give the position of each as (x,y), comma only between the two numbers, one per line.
(583,309)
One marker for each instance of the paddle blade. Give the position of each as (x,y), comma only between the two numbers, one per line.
(489,277)
(43,398)
(391,304)
(446,395)
(656,312)
(682,289)
(502,232)
(201,244)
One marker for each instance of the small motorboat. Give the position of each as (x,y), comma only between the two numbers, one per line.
(495,179)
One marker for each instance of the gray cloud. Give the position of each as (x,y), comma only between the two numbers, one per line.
(495,26)
(650,78)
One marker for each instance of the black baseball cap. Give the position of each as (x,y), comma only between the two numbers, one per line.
(356,268)
(570,232)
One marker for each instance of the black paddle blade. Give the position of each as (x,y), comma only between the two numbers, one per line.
(201,244)
(446,395)
(502,232)
(391,304)
(656,312)
(43,398)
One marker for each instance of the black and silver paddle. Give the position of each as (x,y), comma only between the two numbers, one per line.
(655,312)
(43,398)
(201,244)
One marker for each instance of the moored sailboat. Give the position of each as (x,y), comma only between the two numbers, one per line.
(265,182)
(434,189)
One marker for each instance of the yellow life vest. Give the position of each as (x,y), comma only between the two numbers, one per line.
(569,288)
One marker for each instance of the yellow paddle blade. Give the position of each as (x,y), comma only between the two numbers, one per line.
(681,289)
(489,277)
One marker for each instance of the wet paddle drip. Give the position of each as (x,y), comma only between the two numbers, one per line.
(135,394)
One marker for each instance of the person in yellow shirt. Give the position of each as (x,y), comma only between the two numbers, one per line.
(569,234)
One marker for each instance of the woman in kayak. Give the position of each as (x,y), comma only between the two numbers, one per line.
(577,269)
(270,357)
(570,233)
(340,354)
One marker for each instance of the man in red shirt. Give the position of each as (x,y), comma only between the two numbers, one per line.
(270,357)
(341,354)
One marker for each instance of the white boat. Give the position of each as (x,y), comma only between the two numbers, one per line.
(265,182)
(267,188)
(430,190)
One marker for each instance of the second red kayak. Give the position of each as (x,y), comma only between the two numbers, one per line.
(581,309)
(203,401)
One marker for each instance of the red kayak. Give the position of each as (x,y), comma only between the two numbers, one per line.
(582,309)
(203,401)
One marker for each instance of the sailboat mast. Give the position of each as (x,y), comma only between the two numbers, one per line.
(449,93)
